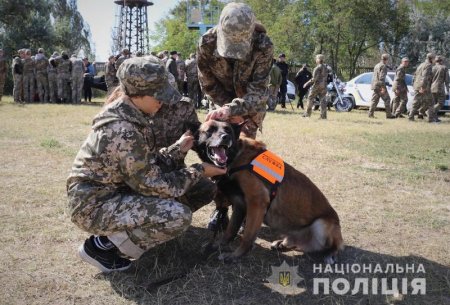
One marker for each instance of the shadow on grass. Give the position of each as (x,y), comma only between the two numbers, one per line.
(177,273)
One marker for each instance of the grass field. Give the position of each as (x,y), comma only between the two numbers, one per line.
(389,181)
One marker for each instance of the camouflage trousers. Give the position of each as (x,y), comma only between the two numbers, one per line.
(42,87)
(18,88)
(63,86)
(2,84)
(77,88)
(438,102)
(28,87)
(320,92)
(376,95)
(133,222)
(52,87)
(421,103)
(399,102)
(273,97)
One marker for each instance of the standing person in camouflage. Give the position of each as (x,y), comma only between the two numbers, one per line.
(77,77)
(125,54)
(42,76)
(400,89)
(440,82)
(193,86)
(275,81)
(121,187)
(3,69)
(181,69)
(53,79)
(29,66)
(110,75)
(422,89)
(318,84)
(234,61)
(63,69)
(379,88)
(17,71)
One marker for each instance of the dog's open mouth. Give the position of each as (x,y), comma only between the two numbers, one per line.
(218,155)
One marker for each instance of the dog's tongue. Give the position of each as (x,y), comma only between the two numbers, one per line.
(220,154)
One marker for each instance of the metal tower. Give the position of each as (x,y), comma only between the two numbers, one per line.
(131,30)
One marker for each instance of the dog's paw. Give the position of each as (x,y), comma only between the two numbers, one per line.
(228,258)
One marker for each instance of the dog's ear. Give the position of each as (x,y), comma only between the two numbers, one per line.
(237,128)
(192,127)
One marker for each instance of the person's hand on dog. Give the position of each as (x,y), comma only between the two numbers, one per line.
(221,114)
(186,141)
(212,170)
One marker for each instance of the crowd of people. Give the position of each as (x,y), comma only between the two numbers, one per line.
(58,79)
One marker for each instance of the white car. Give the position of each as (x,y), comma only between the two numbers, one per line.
(359,88)
(290,94)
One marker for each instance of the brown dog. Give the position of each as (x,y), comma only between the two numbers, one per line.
(298,211)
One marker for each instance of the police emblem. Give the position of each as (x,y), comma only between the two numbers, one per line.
(284,279)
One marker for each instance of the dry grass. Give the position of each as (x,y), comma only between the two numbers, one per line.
(388,180)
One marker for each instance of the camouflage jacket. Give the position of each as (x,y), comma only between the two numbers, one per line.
(225,79)
(379,76)
(51,68)
(41,64)
(77,66)
(29,65)
(439,78)
(3,67)
(399,80)
(121,153)
(120,60)
(191,69)
(181,69)
(63,66)
(319,76)
(110,75)
(423,76)
(170,121)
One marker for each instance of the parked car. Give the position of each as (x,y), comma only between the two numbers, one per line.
(359,88)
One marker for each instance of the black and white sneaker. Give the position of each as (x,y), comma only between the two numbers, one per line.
(105,260)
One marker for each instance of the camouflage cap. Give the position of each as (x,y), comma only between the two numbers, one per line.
(439,58)
(40,50)
(235,30)
(147,76)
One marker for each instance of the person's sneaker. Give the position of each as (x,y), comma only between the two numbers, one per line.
(219,220)
(105,260)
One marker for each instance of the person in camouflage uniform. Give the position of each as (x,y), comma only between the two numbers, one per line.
(234,61)
(422,89)
(63,71)
(181,69)
(193,86)
(440,82)
(124,55)
(17,72)
(379,88)
(275,81)
(29,66)
(53,79)
(42,76)
(77,78)
(3,69)
(400,89)
(124,189)
(318,84)
(110,74)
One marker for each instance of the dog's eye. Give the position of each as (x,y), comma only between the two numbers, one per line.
(227,130)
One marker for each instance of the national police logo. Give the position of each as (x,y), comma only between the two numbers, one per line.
(284,279)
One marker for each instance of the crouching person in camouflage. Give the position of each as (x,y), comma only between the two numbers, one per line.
(124,190)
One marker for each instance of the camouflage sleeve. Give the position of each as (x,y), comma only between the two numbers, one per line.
(255,99)
(315,75)
(142,168)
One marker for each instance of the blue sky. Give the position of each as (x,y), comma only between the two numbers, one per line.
(100,15)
